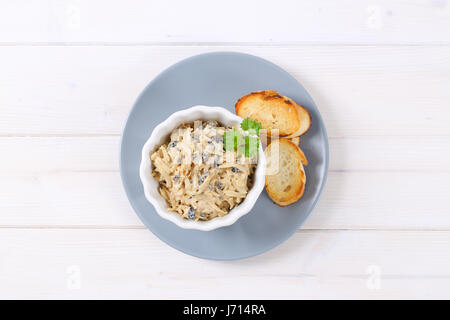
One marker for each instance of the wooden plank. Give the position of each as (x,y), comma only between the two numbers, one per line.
(382,154)
(35,155)
(134,264)
(361,200)
(361,91)
(65,199)
(140,21)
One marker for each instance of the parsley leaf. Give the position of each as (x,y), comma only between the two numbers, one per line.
(232,139)
(249,147)
(251,126)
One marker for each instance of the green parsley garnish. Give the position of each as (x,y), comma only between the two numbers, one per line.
(251,126)
(232,139)
(248,145)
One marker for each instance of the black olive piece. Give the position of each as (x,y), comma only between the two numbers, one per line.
(191,213)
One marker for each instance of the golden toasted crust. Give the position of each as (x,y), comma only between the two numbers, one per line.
(272,110)
(291,201)
(296,140)
(303,157)
(305,121)
(266,140)
(287,184)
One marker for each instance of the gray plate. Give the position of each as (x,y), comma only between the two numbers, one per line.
(219,79)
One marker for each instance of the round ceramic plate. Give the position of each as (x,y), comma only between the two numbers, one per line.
(219,79)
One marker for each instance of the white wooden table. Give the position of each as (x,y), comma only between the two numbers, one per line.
(379,72)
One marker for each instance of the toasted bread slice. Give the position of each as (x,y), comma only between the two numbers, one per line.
(305,121)
(286,203)
(265,139)
(270,109)
(296,141)
(303,157)
(286,183)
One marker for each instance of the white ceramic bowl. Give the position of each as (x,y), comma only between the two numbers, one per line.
(160,135)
